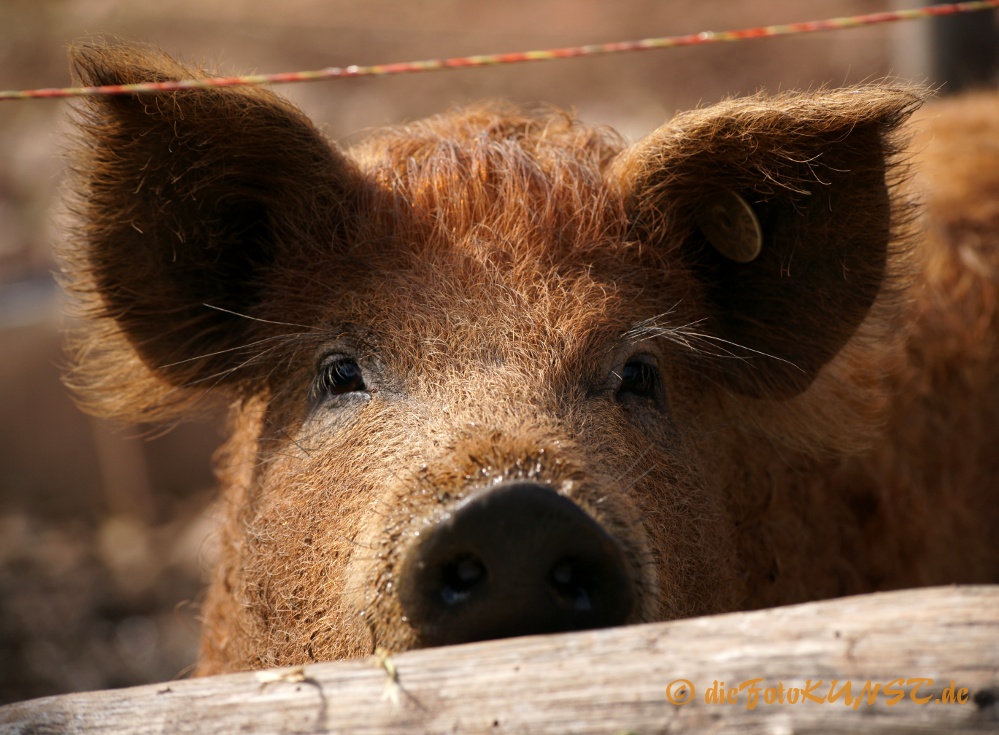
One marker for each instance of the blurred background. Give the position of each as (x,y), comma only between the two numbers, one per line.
(105,531)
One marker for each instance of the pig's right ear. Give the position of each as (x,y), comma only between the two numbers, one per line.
(184,203)
(779,213)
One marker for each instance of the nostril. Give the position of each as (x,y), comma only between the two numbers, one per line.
(570,584)
(460,578)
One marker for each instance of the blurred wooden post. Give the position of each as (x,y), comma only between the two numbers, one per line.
(954,52)
(965,50)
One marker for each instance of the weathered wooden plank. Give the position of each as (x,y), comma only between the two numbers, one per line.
(916,643)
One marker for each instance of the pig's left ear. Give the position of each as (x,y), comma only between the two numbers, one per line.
(781,209)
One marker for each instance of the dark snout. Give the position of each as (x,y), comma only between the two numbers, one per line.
(516,559)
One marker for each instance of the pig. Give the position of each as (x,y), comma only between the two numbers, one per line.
(499,373)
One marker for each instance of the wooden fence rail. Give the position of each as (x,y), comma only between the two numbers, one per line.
(911,661)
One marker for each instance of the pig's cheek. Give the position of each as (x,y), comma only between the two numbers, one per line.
(371,582)
(299,539)
(672,519)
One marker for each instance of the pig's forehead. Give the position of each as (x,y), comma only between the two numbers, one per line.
(526,185)
(466,300)
(498,189)
(496,224)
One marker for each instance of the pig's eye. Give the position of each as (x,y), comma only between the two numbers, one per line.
(639,380)
(336,377)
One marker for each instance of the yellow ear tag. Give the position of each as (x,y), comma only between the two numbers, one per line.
(731,227)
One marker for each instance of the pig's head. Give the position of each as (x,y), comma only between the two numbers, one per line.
(491,373)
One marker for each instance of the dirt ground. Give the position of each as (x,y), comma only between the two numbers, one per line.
(104,532)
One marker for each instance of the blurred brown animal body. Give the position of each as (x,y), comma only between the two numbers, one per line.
(489,376)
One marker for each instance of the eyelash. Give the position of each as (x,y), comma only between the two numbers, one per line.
(638,378)
(337,376)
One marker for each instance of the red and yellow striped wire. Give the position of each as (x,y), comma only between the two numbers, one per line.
(409,67)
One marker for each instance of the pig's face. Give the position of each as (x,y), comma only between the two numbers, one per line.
(476,423)
(483,367)
(495,373)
